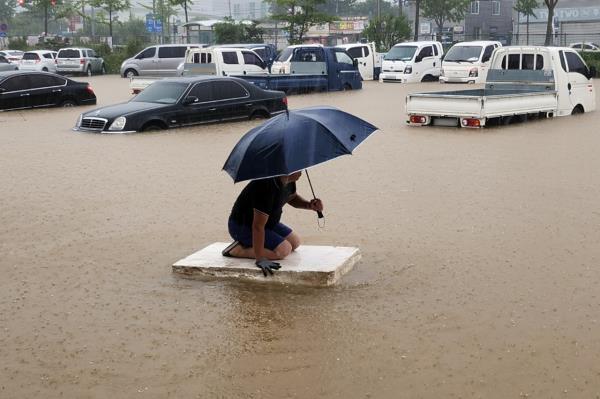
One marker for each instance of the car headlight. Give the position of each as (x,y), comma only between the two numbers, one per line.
(473,73)
(408,70)
(118,124)
(78,123)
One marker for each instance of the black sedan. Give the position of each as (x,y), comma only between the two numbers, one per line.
(20,90)
(185,101)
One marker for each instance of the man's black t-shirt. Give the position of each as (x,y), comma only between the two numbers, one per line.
(265,195)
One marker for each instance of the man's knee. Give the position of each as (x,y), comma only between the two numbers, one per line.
(283,249)
(294,240)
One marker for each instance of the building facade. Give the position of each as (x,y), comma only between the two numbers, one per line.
(489,20)
(574,21)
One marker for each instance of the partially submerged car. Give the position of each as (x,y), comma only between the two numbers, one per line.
(177,102)
(21,89)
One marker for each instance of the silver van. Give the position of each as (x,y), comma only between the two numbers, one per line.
(159,60)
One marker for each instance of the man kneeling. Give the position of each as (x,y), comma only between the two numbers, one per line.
(255,225)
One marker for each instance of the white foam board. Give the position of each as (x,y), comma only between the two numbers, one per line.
(308,265)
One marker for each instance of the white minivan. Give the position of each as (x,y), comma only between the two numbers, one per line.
(412,62)
(468,62)
(222,61)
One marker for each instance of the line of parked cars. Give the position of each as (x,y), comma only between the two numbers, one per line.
(72,60)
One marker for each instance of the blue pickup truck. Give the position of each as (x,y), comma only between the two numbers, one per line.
(313,69)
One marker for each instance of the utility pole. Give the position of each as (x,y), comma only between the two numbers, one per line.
(379,9)
(229,4)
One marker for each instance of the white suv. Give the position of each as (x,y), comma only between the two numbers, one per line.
(38,60)
(79,60)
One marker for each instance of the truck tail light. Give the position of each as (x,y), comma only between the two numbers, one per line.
(418,119)
(82,62)
(90,90)
(284,101)
(471,122)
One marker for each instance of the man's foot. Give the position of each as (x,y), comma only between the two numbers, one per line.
(227,251)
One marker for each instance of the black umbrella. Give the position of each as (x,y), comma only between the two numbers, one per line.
(295,141)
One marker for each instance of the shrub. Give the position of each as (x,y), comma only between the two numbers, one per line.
(18,43)
(592,59)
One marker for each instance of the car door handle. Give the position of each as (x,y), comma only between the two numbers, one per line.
(25,95)
(212,109)
(249,105)
(569,86)
(56,91)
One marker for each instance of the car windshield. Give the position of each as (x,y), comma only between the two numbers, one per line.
(285,55)
(463,53)
(400,53)
(161,93)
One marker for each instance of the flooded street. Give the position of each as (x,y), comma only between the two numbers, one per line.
(480,272)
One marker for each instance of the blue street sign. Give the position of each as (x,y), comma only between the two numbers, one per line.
(2,34)
(158,26)
(150,23)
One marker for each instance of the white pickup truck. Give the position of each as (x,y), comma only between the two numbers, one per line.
(522,82)
(221,61)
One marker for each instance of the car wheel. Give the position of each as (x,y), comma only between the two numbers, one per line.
(347,87)
(88,71)
(44,69)
(152,127)
(577,110)
(68,103)
(260,114)
(130,73)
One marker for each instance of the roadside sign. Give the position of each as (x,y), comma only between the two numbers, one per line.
(150,23)
(3,29)
(3,34)
(158,26)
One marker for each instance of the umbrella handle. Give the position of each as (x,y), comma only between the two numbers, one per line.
(319,213)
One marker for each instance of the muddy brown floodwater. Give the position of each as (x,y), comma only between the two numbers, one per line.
(480,273)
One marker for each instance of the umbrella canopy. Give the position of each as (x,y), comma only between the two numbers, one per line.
(295,141)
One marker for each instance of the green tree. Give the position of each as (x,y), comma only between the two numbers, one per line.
(551,4)
(228,32)
(526,8)
(111,7)
(441,11)
(387,31)
(183,4)
(7,10)
(253,33)
(299,15)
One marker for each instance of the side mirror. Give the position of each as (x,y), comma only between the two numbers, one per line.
(593,72)
(190,100)
(418,58)
(2,89)
(355,62)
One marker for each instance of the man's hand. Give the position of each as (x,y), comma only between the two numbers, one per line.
(267,266)
(316,205)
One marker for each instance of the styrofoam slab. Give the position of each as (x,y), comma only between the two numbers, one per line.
(308,265)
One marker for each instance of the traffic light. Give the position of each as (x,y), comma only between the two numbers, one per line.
(21,2)
(53,2)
